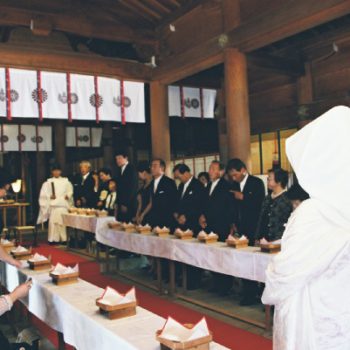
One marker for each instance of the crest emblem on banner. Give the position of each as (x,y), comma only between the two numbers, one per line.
(117,101)
(96,100)
(37,139)
(35,95)
(13,95)
(21,138)
(4,138)
(83,138)
(191,103)
(64,98)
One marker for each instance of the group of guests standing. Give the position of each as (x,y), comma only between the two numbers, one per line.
(226,200)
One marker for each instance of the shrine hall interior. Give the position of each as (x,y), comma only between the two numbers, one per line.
(287,59)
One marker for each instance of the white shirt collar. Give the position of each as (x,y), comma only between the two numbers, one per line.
(85,176)
(156,183)
(123,167)
(243,182)
(187,183)
(213,185)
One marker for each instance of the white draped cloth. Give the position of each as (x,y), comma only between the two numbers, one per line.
(52,209)
(308,281)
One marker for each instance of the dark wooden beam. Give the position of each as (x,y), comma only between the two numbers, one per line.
(77,23)
(19,57)
(281,65)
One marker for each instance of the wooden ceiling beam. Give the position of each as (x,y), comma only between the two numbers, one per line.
(142,9)
(159,6)
(19,57)
(78,24)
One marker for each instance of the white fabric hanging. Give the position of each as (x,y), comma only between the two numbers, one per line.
(308,281)
(83,137)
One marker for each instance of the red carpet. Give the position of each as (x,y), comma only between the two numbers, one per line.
(225,334)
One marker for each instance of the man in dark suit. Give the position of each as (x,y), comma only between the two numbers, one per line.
(219,210)
(191,195)
(163,194)
(85,187)
(219,215)
(127,185)
(249,192)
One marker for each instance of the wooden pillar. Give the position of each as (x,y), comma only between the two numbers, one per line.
(237,106)
(160,131)
(60,143)
(108,152)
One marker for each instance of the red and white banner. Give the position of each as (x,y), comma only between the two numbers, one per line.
(191,102)
(83,137)
(49,95)
(33,138)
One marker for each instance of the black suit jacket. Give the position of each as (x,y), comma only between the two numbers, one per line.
(191,203)
(127,185)
(220,209)
(163,203)
(249,208)
(85,189)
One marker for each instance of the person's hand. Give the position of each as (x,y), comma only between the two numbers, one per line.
(238,195)
(124,209)
(202,222)
(21,291)
(181,219)
(16,263)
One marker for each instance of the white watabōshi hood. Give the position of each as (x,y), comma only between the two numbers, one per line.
(320,156)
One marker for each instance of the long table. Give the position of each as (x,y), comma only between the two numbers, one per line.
(71,311)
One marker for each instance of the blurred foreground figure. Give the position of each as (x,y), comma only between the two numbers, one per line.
(308,282)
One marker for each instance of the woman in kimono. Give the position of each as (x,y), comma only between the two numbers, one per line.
(55,198)
(308,281)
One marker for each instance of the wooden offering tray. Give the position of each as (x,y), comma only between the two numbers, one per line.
(90,212)
(270,248)
(114,312)
(188,234)
(22,255)
(116,225)
(197,344)
(73,210)
(8,246)
(101,213)
(237,243)
(161,232)
(128,227)
(207,238)
(64,279)
(145,230)
(40,264)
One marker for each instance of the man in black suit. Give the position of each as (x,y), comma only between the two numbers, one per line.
(163,194)
(191,195)
(219,210)
(127,185)
(219,215)
(249,192)
(85,187)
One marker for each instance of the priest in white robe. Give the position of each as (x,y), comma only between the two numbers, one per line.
(56,197)
(309,280)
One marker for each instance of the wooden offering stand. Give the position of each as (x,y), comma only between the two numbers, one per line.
(8,246)
(208,239)
(183,234)
(197,344)
(22,255)
(40,265)
(114,312)
(238,244)
(64,279)
(144,230)
(270,248)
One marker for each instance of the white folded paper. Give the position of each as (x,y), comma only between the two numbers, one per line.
(233,238)
(38,257)
(181,232)
(5,242)
(157,229)
(19,249)
(175,331)
(111,297)
(204,235)
(264,241)
(60,269)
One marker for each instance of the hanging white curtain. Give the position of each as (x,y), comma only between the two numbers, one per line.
(83,137)
(48,95)
(191,102)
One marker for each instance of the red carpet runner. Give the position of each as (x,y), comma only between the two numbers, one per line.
(225,334)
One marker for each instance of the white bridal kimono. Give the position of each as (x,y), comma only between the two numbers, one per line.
(52,209)
(309,280)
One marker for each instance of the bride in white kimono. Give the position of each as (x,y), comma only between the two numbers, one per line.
(309,280)
(55,198)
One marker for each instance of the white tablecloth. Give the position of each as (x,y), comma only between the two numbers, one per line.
(71,310)
(248,263)
(84,222)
